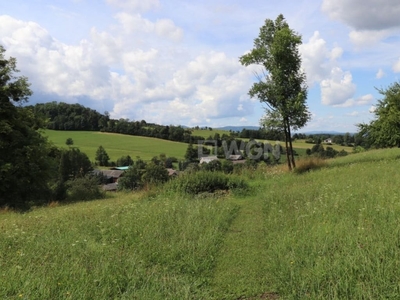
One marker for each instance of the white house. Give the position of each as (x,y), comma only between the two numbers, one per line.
(207,159)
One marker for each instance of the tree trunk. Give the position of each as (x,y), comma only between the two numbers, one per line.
(286,145)
(291,146)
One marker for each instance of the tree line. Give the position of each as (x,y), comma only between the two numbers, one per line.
(64,116)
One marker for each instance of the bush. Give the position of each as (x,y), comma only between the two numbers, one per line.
(131,180)
(308,164)
(84,188)
(342,153)
(227,167)
(155,174)
(213,166)
(206,182)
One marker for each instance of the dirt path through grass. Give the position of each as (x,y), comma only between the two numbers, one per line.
(240,271)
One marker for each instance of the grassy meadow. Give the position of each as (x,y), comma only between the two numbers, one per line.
(332,233)
(206,133)
(117,145)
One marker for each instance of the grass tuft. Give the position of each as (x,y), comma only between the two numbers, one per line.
(308,164)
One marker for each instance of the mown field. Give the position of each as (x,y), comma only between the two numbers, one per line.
(117,145)
(332,233)
(206,133)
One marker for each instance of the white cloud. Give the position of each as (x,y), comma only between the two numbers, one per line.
(338,88)
(367,38)
(136,24)
(396,67)
(353,114)
(363,100)
(380,74)
(135,5)
(336,53)
(314,54)
(135,82)
(364,14)
(167,28)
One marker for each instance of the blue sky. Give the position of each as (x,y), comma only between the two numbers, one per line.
(176,62)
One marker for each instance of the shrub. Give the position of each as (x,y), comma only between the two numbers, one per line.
(131,180)
(227,166)
(155,174)
(308,164)
(206,182)
(125,161)
(84,188)
(342,153)
(214,165)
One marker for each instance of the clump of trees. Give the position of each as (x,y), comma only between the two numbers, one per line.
(64,116)
(318,150)
(140,173)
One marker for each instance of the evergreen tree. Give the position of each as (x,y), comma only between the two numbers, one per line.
(102,157)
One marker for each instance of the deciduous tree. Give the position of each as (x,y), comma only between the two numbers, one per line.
(384,131)
(281,84)
(25,167)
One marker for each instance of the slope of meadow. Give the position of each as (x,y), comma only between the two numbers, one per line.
(327,234)
(117,145)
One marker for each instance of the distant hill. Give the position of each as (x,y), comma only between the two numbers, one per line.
(238,128)
(324,132)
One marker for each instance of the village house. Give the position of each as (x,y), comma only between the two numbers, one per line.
(207,159)
(111,175)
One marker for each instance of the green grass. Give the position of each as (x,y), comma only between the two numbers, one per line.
(301,144)
(121,248)
(206,133)
(332,233)
(117,145)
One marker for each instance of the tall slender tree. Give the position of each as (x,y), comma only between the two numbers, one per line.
(281,83)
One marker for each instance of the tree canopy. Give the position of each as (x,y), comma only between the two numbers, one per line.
(384,131)
(281,85)
(25,167)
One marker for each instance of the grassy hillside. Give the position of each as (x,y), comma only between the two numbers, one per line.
(327,234)
(117,145)
(207,133)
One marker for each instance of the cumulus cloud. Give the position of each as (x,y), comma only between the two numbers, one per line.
(317,59)
(337,89)
(132,78)
(364,14)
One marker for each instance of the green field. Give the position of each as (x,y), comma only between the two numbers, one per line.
(205,133)
(327,234)
(117,145)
